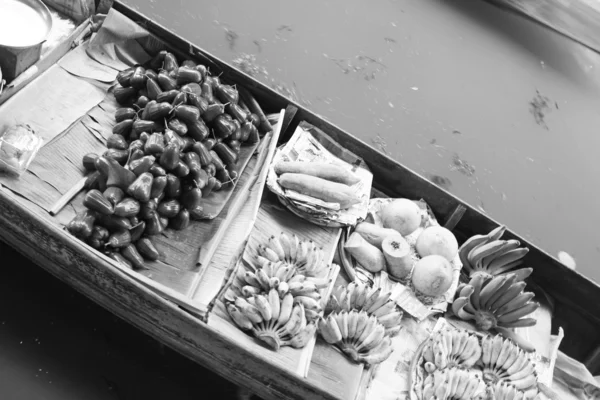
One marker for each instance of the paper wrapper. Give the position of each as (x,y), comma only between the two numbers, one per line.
(403,293)
(391,380)
(304,147)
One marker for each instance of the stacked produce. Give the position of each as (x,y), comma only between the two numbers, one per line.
(456,364)
(488,256)
(424,261)
(324,181)
(358,335)
(177,139)
(280,300)
(360,322)
(494,298)
(359,297)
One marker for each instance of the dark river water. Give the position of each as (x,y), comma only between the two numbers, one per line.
(501,112)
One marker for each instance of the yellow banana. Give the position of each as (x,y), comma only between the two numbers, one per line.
(301,253)
(286,245)
(504,352)
(496,348)
(373,339)
(283,288)
(508,295)
(369,328)
(250,311)
(295,322)
(513,354)
(343,323)
(238,317)
(268,253)
(274,304)
(516,314)
(293,247)
(311,315)
(479,252)
(373,295)
(519,301)
(262,304)
(361,324)
(352,323)
(380,301)
(263,279)
(508,282)
(285,309)
(391,320)
(388,307)
(275,245)
(379,354)
(301,338)
(524,383)
(469,245)
(308,302)
(361,297)
(273,282)
(329,330)
(488,290)
(251,279)
(249,291)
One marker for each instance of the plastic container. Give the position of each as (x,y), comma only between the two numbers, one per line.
(18,147)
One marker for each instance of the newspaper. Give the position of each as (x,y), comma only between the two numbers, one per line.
(304,147)
(420,307)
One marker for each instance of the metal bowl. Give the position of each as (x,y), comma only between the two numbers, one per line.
(23,23)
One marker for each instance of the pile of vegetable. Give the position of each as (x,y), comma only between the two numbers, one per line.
(177,139)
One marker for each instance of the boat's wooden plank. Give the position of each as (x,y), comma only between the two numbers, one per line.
(76,264)
(578,20)
(334,372)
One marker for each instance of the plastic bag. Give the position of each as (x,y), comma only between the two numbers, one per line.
(18,147)
(78,10)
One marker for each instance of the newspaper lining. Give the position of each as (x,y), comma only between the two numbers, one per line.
(304,147)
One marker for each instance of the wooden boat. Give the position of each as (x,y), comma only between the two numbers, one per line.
(167,315)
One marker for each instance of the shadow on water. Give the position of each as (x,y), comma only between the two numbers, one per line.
(571,60)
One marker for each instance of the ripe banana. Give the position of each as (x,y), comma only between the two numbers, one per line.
(488,255)
(495,301)
(274,320)
(359,336)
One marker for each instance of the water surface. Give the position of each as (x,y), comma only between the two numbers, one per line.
(499,111)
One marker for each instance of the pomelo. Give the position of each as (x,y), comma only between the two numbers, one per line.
(437,240)
(402,215)
(432,276)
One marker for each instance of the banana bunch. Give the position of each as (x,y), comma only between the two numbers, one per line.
(497,301)
(506,391)
(358,335)
(273,320)
(357,296)
(487,255)
(454,383)
(451,348)
(504,361)
(277,275)
(299,255)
